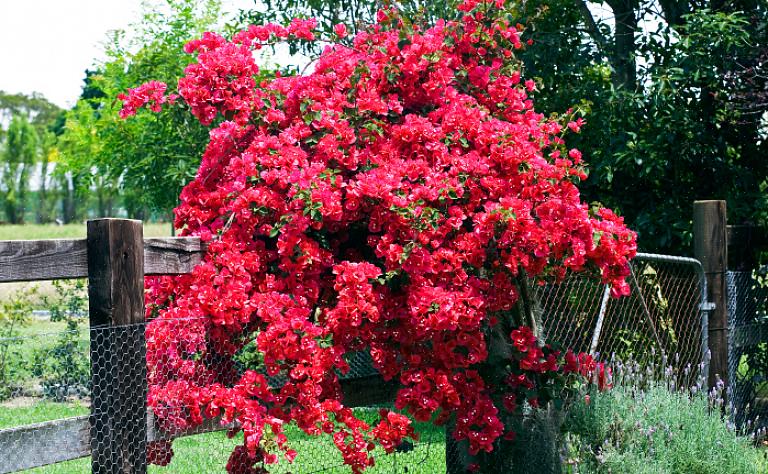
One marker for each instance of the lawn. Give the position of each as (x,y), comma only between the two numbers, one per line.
(68,231)
(208,453)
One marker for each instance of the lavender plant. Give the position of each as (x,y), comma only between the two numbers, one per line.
(650,422)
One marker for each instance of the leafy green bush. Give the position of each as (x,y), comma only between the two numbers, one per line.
(14,314)
(63,368)
(656,429)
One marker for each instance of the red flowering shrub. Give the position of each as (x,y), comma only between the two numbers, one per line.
(391,201)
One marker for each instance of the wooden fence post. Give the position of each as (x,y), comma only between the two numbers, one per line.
(710,248)
(118,350)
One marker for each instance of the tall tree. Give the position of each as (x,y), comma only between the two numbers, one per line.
(46,195)
(21,149)
(43,114)
(47,120)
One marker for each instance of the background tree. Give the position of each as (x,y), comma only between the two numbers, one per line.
(21,149)
(664,124)
(47,120)
(44,115)
(148,160)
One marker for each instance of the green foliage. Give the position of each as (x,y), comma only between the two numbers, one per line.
(655,430)
(14,314)
(19,156)
(64,369)
(671,132)
(149,158)
(61,368)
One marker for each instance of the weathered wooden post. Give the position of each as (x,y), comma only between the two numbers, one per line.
(710,248)
(118,351)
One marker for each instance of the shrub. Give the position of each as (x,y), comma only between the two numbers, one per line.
(14,314)
(653,427)
(63,368)
(397,199)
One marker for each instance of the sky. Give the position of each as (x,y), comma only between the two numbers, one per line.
(46,45)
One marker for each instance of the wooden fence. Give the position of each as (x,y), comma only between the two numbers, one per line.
(115,258)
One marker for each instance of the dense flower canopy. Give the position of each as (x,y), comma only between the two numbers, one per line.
(389,201)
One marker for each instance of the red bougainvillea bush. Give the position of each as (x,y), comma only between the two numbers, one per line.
(393,200)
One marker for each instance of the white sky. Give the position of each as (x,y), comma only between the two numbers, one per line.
(46,45)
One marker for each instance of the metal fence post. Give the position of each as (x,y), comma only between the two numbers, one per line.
(118,350)
(710,248)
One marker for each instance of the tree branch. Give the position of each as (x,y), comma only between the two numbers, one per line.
(592,28)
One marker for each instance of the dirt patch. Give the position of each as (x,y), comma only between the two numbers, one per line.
(19,402)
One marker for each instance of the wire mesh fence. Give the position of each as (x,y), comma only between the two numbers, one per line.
(49,372)
(748,346)
(662,316)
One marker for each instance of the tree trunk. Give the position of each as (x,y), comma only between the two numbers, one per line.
(624,64)
(71,207)
(43,209)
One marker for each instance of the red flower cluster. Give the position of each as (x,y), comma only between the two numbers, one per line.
(539,374)
(151,93)
(392,429)
(389,201)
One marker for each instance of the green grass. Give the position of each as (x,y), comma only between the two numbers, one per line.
(208,453)
(43,328)
(37,412)
(68,231)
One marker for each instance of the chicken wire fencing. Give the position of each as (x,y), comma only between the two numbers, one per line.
(65,393)
(748,346)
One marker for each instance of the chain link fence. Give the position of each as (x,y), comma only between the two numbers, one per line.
(47,375)
(662,316)
(748,347)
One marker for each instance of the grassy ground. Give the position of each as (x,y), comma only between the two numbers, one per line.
(68,231)
(208,453)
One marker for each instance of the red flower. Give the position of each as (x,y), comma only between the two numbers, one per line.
(340,29)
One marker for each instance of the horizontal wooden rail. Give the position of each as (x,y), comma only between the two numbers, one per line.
(50,442)
(32,260)
(41,444)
